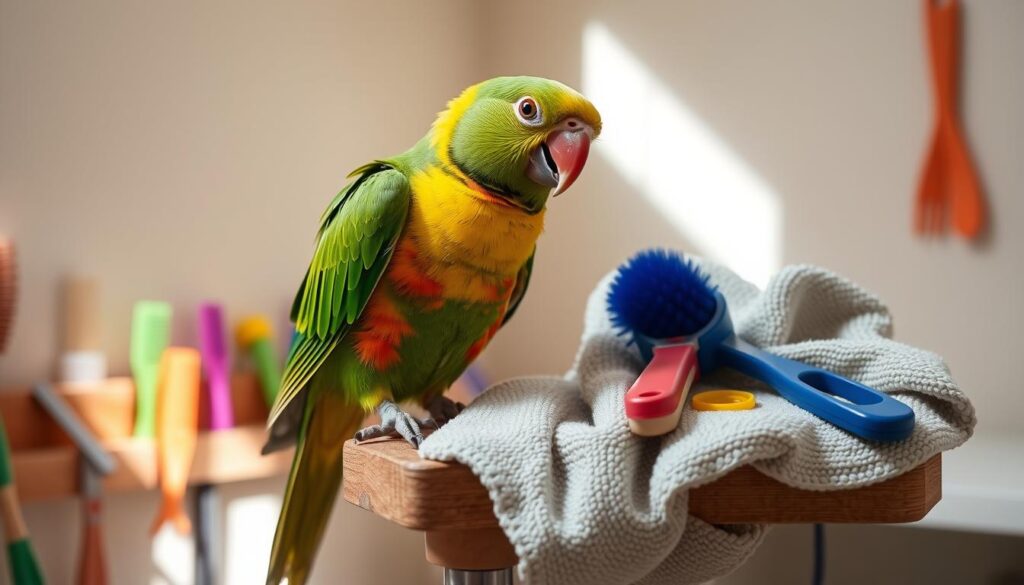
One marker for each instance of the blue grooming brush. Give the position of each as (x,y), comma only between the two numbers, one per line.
(662,299)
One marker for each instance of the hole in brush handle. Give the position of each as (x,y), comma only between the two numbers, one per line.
(840,388)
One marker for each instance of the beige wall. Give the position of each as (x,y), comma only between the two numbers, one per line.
(825,105)
(185,151)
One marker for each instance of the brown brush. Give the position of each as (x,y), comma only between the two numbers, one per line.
(21,558)
(82,361)
(8,289)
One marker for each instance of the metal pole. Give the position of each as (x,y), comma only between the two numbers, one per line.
(461,577)
(205,534)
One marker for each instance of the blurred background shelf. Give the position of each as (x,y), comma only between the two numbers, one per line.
(46,464)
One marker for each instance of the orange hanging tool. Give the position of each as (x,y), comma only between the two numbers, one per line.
(949,180)
(177,425)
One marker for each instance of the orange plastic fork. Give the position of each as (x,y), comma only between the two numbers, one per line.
(948,178)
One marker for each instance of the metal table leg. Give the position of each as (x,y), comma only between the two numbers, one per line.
(463,577)
(483,556)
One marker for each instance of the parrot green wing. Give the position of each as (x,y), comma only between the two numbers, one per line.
(357,237)
(519,288)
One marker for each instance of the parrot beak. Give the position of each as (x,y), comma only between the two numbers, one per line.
(559,160)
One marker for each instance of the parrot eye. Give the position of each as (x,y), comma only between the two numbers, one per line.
(529,112)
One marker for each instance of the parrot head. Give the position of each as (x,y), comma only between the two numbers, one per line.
(522,139)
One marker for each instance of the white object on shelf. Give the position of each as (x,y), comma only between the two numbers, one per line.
(82,367)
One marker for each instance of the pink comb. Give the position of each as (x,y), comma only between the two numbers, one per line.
(216,365)
(655,401)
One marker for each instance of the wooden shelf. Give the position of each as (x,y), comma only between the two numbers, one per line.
(388,478)
(46,464)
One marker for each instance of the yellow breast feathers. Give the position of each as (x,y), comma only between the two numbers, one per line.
(467,240)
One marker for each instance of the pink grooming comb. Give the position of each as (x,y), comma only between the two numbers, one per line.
(655,401)
(216,365)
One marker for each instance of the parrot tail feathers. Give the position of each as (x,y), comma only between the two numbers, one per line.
(312,487)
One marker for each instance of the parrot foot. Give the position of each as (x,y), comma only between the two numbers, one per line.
(443,409)
(394,422)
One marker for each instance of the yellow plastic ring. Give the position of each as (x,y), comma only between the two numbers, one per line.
(723,400)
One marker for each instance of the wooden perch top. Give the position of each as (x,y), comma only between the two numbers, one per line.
(388,478)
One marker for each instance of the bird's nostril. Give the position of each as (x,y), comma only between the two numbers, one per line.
(572,123)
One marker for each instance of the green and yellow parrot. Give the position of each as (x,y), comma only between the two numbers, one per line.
(418,262)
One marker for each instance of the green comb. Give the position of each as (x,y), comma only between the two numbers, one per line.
(151,332)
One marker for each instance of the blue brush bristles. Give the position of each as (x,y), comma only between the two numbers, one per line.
(660,294)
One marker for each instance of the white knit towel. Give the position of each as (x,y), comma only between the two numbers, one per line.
(586,502)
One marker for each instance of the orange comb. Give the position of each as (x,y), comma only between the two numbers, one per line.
(948,178)
(177,424)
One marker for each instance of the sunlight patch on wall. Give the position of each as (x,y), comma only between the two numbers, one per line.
(173,557)
(249,535)
(660,146)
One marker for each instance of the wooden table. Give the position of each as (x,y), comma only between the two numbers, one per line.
(448,503)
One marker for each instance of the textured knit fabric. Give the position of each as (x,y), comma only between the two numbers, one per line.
(586,502)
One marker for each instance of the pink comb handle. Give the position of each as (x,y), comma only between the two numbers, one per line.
(216,366)
(664,383)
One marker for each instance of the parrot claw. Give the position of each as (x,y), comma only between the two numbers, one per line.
(443,409)
(394,422)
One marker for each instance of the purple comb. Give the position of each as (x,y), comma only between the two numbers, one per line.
(216,365)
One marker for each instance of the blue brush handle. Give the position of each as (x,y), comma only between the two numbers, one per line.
(863,411)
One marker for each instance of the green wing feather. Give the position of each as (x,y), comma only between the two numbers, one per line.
(357,236)
(519,290)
